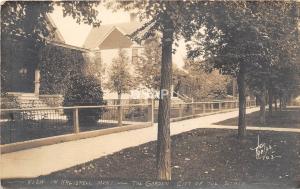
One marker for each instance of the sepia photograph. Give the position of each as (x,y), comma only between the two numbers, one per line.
(155,94)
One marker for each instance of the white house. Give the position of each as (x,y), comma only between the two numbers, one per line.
(105,41)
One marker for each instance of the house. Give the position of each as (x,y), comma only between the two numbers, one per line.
(20,65)
(106,40)
(20,62)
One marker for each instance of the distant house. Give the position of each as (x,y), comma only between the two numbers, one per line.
(105,41)
(108,39)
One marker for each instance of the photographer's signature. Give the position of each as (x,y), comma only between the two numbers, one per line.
(264,151)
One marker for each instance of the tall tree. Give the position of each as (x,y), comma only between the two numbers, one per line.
(278,23)
(169,18)
(241,35)
(120,79)
(256,80)
(230,44)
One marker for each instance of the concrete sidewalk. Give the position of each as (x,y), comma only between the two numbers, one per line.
(47,159)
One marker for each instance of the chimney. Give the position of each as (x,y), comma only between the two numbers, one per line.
(133,17)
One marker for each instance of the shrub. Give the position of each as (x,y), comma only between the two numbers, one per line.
(85,91)
(57,66)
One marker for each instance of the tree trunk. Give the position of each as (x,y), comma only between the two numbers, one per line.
(242,101)
(119,110)
(262,112)
(163,134)
(234,87)
(284,101)
(270,101)
(280,103)
(275,102)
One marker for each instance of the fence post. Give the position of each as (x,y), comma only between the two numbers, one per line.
(151,110)
(193,109)
(180,110)
(204,106)
(220,106)
(212,107)
(120,115)
(37,83)
(75,120)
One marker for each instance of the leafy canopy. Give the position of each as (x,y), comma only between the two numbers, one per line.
(120,79)
(24,19)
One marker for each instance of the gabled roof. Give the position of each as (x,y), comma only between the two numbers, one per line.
(57,35)
(98,34)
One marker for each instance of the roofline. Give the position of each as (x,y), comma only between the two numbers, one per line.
(109,32)
(68,46)
(121,31)
(52,24)
(106,35)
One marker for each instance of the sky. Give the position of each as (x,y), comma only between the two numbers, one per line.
(75,34)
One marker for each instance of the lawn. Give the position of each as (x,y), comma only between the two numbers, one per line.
(287,118)
(213,156)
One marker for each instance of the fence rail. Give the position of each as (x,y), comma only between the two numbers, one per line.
(19,125)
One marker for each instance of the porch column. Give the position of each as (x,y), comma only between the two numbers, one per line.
(37,84)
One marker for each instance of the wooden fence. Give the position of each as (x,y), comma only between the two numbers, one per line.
(32,127)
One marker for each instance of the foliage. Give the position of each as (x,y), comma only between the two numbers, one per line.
(157,14)
(229,38)
(27,20)
(203,85)
(94,66)
(84,91)
(149,64)
(195,82)
(25,26)
(120,79)
(170,18)
(243,37)
(58,65)
(260,35)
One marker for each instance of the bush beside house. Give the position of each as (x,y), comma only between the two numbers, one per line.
(85,91)
(57,66)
